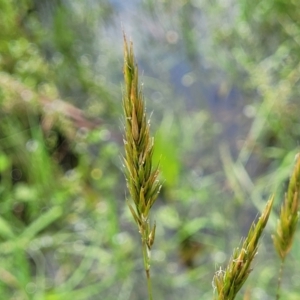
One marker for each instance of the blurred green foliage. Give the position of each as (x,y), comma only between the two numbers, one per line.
(65,231)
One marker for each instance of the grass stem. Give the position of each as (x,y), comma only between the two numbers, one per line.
(146,258)
(279,279)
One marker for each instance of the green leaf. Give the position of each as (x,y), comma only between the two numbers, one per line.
(4,162)
(42,222)
(5,229)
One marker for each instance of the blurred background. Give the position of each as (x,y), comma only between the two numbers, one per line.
(221,83)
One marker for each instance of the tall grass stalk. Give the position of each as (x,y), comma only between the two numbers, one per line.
(229,281)
(141,177)
(287,223)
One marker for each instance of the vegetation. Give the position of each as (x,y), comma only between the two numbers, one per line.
(142,180)
(221,80)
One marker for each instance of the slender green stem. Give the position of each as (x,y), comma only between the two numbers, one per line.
(279,279)
(146,258)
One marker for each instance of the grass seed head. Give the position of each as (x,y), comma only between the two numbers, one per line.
(289,215)
(229,281)
(140,175)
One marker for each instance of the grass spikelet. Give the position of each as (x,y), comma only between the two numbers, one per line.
(229,281)
(141,177)
(287,223)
